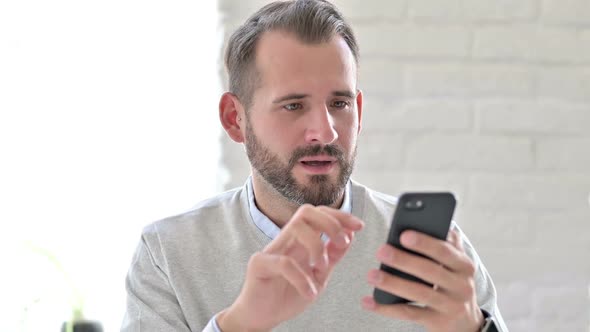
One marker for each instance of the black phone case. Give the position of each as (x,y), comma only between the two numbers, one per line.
(432,216)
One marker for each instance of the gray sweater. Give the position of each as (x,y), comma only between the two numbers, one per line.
(189,267)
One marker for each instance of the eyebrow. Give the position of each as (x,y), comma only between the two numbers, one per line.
(344,93)
(289,97)
(341,93)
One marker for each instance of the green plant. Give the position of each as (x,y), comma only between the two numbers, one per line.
(76,298)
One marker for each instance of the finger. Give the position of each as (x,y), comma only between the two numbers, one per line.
(438,250)
(455,240)
(420,267)
(305,228)
(322,221)
(267,266)
(411,290)
(335,255)
(347,220)
(458,286)
(421,315)
(303,234)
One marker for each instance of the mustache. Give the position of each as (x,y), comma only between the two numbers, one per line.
(315,150)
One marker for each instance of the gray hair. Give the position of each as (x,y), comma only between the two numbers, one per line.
(311,21)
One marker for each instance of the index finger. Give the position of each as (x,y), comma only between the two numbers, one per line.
(439,250)
(308,223)
(348,220)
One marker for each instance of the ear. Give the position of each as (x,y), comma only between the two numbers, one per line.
(231,115)
(359,107)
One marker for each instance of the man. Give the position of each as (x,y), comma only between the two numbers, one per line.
(288,251)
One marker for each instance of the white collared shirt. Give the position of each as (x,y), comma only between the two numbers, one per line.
(269,228)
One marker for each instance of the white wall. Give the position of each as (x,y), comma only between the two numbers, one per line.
(108,121)
(490,99)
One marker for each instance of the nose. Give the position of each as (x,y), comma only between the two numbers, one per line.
(320,127)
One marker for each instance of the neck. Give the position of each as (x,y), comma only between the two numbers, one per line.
(274,205)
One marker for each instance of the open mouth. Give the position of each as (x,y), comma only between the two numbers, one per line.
(321,164)
(317,162)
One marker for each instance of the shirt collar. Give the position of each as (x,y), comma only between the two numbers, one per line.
(266,226)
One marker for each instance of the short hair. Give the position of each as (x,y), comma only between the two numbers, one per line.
(311,21)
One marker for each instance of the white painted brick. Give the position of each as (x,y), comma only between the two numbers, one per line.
(394,182)
(463,80)
(564,153)
(569,231)
(502,42)
(379,77)
(525,303)
(235,152)
(568,83)
(498,10)
(452,152)
(548,303)
(512,264)
(435,181)
(234,157)
(540,192)
(503,228)
(515,310)
(436,115)
(414,40)
(548,325)
(556,44)
(438,80)
(352,10)
(584,41)
(517,325)
(384,180)
(530,43)
(378,9)
(536,117)
(472,10)
(434,10)
(417,115)
(379,151)
(238,176)
(566,11)
(503,81)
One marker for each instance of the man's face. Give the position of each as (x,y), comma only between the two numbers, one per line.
(302,127)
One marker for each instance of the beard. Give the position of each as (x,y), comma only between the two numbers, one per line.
(321,190)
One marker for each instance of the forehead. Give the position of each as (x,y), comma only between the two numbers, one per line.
(285,62)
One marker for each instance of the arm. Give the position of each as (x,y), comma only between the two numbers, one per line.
(151,301)
(281,281)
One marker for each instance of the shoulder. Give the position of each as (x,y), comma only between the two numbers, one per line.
(204,216)
(373,198)
(373,206)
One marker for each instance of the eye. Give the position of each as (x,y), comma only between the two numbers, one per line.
(293,107)
(340,104)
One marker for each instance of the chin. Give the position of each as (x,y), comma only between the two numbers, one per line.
(316,179)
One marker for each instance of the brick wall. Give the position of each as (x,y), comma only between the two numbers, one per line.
(489,99)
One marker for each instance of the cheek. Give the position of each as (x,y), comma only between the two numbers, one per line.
(281,140)
(348,133)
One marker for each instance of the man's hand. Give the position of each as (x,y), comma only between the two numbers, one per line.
(287,276)
(450,305)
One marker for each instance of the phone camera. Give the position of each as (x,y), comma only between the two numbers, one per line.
(414,205)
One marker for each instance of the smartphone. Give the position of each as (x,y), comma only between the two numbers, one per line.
(429,213)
